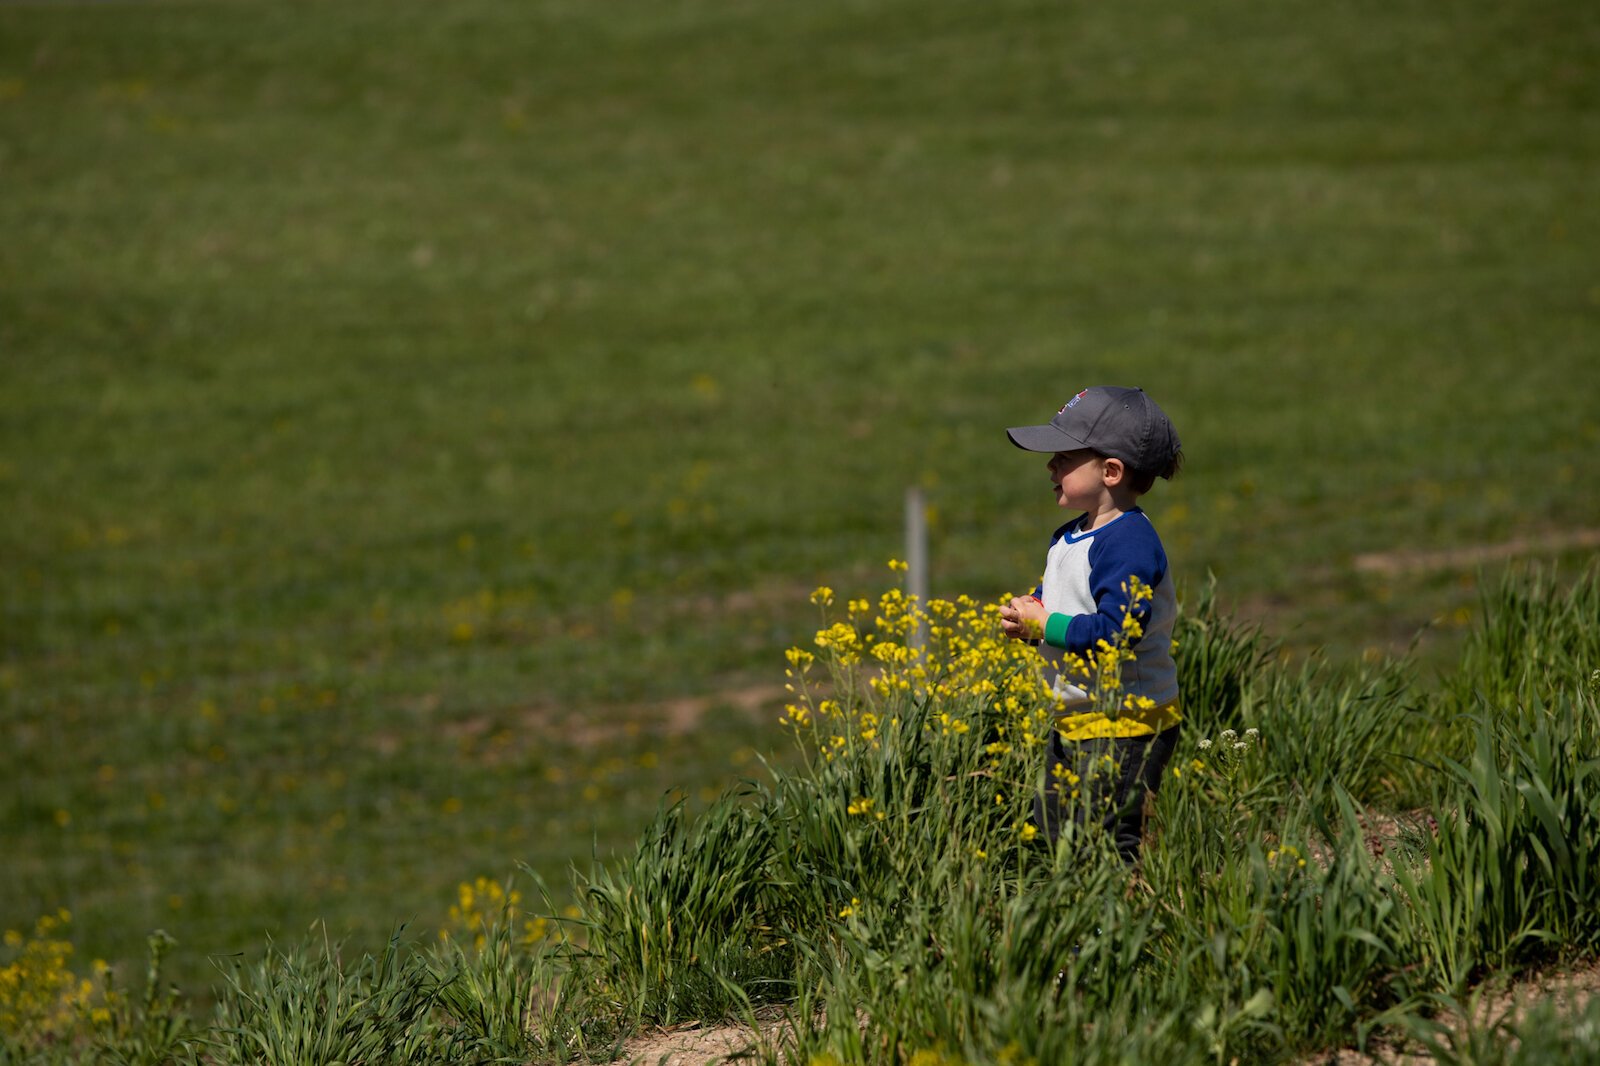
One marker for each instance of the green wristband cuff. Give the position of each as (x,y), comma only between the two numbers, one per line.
(1055,630)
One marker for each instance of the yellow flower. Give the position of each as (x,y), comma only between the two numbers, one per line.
(891,653)
(1287,852)
(822,596)
(39,993)
(842,639)
(480,903)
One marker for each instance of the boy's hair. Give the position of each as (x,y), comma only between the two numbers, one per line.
(1142,481)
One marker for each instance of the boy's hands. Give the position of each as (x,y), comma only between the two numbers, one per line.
(1023,619)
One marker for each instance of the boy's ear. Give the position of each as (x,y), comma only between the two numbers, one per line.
(1113,471)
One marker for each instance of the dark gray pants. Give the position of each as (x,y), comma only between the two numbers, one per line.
(1110,776)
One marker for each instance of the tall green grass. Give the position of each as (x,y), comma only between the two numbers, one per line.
(1261,923)
(1537,637)
(887,891)
(1514,871)
(306,1004)
(686,926)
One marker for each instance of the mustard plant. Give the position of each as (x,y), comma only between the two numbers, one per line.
(497,982)
(150,1029)
(43,1001)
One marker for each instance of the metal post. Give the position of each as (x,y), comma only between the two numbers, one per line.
(916,555)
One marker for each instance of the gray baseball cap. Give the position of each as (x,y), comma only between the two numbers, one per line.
(1119,422)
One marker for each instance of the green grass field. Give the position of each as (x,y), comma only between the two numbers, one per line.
(403,404)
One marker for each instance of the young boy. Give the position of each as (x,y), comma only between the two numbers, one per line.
(1108,445)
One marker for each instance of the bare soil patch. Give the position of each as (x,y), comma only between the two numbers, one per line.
(1466,558)
(1570,988)
(701,1044)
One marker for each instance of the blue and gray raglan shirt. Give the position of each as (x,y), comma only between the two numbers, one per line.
(1086,589)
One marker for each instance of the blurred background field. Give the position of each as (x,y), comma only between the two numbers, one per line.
(421,424)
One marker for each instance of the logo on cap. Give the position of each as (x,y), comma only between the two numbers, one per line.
(1074,401)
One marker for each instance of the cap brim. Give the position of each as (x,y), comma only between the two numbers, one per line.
(1046,438)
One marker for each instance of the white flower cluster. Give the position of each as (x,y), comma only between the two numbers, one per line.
(1230,745)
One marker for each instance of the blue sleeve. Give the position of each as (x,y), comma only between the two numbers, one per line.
(1129,548)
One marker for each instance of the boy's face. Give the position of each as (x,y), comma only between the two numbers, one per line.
(1080,479)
